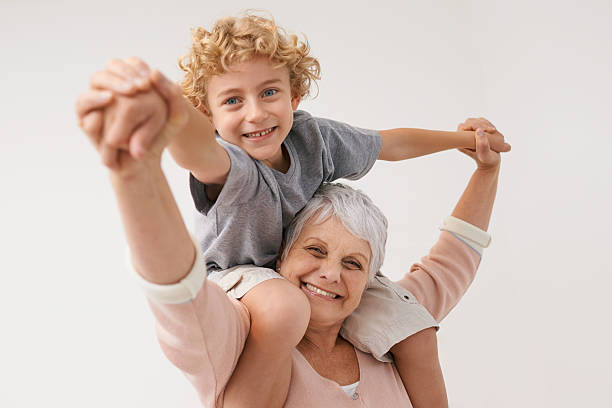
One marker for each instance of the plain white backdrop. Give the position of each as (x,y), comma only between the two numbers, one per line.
(534,328)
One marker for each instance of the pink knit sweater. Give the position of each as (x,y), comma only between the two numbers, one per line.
(204,337)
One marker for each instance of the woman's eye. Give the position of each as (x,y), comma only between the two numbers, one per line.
(316,250)
(354,264)
(231,101)
(270,92)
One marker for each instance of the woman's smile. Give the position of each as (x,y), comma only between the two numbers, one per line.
(312,290)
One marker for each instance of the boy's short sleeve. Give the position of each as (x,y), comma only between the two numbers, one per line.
(238,187)
(353,150)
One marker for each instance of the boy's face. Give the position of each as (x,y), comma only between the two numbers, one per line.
(252,107)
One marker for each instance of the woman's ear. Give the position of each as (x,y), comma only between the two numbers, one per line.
(279,259)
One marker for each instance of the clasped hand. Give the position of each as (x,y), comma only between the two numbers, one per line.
(130,113)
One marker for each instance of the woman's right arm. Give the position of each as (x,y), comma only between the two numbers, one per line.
(442,277)
(203,333)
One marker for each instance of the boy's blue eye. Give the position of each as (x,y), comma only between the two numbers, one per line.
(231,101)
(270,92)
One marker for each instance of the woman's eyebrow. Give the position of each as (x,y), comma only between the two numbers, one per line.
(361,257)
(316,239)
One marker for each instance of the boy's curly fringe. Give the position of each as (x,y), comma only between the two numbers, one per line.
(237,39)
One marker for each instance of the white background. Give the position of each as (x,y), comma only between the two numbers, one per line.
(533,330)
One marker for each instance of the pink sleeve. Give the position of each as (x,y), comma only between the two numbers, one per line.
(443,276)
(203,338)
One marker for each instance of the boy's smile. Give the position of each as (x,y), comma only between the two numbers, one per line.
(252,107)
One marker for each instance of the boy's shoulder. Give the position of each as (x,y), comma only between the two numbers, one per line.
(304,122)
(301,116)
(303,119)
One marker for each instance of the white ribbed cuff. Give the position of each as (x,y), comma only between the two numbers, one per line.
(472,235)
(181,292)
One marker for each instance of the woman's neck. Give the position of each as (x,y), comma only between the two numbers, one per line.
(321,339)
(330,355)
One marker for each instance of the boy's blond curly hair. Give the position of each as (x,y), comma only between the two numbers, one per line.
(237,39)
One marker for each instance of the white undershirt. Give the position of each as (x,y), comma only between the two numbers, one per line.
(350,389)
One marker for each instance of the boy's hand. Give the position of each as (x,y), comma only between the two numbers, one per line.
(495,138)
(123,77)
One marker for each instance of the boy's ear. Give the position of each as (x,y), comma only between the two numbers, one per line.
(204,110)
(295,101)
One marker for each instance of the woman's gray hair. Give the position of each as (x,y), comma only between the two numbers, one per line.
(354,209)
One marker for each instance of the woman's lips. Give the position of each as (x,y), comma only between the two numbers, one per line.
(318,292)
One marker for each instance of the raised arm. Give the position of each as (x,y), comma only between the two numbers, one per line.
(407,143)
(200,329)
(442,277)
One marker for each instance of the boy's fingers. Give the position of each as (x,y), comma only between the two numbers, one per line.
(177,114)
(161,83)
(109,81)
(475,123)
(122,69)
(487,125)
(139,65)
(141,70)
(92,100)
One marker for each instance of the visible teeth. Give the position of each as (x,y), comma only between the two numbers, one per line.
(257,134)
(320,291)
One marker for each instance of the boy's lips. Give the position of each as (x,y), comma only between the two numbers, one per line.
(259,134)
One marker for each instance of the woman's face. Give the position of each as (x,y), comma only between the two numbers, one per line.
(330,265)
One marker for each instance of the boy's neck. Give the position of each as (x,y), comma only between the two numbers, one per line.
(282,163)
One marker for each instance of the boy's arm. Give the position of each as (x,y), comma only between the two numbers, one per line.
(196,149)
(407,143)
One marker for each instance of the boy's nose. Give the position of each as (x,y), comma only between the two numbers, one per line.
(255,112)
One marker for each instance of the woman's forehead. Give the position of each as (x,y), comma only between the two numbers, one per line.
(334,234)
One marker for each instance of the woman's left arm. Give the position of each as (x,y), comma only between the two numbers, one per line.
(443,276)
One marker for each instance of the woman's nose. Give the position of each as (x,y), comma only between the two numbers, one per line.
(330,273)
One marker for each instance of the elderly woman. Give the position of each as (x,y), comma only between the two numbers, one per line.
(333,249)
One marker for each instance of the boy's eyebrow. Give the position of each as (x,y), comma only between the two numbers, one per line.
(237,90)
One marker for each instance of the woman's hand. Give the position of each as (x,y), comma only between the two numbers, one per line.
(486,159)
(127,129)
(496,139)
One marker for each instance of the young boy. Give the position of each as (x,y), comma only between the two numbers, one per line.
(248,182)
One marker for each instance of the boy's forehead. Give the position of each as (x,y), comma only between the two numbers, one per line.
(252,72)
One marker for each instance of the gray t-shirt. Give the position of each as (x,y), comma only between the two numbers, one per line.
(246,222)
